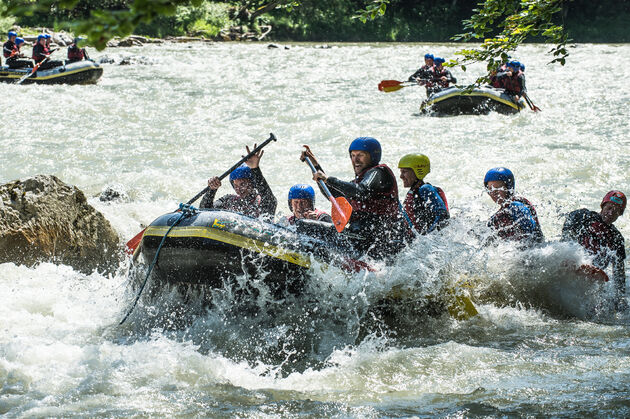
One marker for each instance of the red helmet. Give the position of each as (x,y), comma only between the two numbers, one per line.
(616,197)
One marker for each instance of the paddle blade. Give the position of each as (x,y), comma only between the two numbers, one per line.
(132,244)
(340,213)
(392,88)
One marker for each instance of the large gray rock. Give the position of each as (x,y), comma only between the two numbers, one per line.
(45,219)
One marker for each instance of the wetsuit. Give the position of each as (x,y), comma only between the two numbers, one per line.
(8,48)
(376,224)
(14,61)
(40,53)
(425,208)
(424,73)
(261,202)
(517,220)
(437,77)
(602,240)
(321,216)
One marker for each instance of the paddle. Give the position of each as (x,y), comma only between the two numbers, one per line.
(530,103)
(34,70)
(341,208)
(593,272)
(393,85)
(135,241)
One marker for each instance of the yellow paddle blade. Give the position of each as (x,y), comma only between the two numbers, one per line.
(461,307)
(388,89)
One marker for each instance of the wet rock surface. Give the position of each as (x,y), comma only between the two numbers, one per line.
(43,219)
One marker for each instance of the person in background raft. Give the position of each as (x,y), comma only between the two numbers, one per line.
(302,204)
(424,75)
(516,219)
(596,233)
(376,225)
(253,197)
(8,48)
(14,61)
(75,53)
(425,206)
(511,79)
(442,77)
(41,52)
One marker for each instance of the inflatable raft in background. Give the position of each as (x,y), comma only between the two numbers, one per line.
(80,72)
(479,101)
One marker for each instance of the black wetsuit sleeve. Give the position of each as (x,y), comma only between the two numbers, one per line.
(268,201)
(420,74)
(375,180)
(450,78)
(208,199)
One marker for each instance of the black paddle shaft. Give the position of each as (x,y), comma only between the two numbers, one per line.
(231,169)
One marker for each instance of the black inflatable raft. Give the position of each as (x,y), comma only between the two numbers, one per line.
(479,101)
(80,72)
(209,246)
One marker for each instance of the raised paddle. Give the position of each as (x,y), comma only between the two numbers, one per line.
(341,208)
(135,241)
(36,67)
(530,103)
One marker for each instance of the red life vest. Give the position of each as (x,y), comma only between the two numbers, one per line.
(75,53)
(384,203)
(39,51)
(437,77)
(512,84)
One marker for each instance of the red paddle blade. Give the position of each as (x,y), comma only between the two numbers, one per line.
(132,244)
(392,88)
(340,213)
(388,83)
(593,272)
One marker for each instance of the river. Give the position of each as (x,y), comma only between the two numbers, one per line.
(158,128)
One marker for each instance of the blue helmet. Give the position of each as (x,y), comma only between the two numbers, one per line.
(514,64)
(500,173)
(241,172)
(19,41)
(47,36)
(369,144)
(12,33)
(522,67)
(40,37)
(439,60)
(302,191)
(429,57)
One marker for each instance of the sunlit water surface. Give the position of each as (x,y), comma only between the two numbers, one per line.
(159,128)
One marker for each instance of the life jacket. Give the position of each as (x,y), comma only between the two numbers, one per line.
(75,53)
(602,240)
(8,48)
(383,203)
(320,214)
(503,222)
(512,84)
(409,206)
(39,51)
(437,77)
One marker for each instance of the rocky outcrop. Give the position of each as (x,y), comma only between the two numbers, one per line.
(45,219)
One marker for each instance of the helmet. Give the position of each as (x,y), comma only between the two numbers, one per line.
(78,39)
(439,60)
(514,64)
(302,191)
(502,174)
(40,37)
(429,57)
(19,41)
(616,197)
(241,172)
(419,163)
(12,33)
(47,36)
(369,144)
(523,67)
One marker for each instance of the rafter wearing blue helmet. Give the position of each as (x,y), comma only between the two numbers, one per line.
(41,52)
(15,60)
(373,194)
(301,200)
(253,195)
(8,48)
(424,74)
(516,218)
(511,79)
